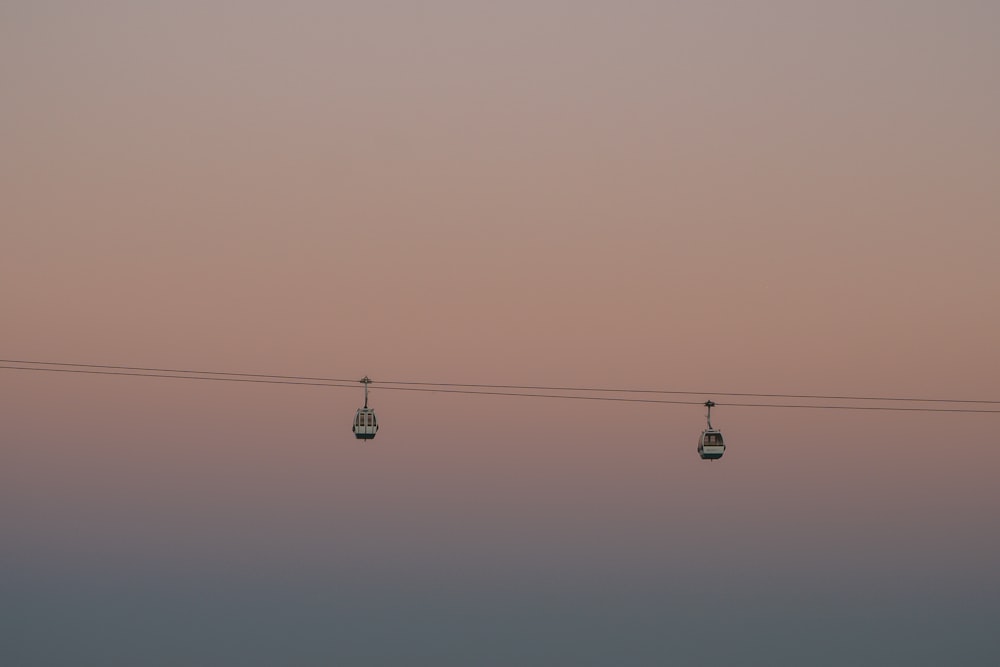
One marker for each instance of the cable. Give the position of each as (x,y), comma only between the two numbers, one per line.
(382,383)
(696,393)
(178,377)
(174,370)
(262,380)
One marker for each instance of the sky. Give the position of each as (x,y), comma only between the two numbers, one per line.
(768,197)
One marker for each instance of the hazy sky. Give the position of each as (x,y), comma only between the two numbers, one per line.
(791,197)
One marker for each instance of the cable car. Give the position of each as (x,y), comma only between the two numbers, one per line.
(710,444)
(365,424)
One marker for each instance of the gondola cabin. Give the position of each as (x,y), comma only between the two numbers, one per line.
(710,444)
(365,424)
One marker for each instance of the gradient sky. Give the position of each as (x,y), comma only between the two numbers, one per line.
(793,197)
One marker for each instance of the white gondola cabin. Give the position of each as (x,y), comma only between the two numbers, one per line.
(365,423)
(711,446)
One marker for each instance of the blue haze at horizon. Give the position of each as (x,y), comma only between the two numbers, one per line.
(522,544)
